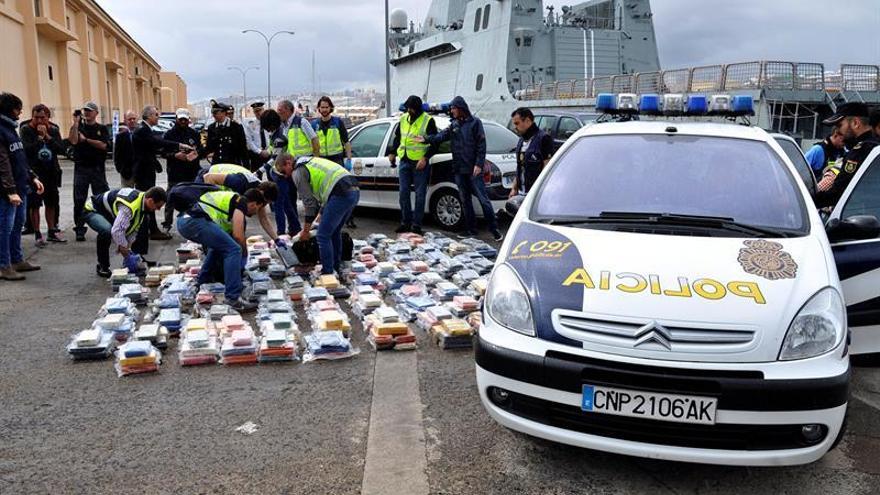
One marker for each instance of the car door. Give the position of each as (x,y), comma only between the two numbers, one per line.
(794,153)
(858,260)
(367,145)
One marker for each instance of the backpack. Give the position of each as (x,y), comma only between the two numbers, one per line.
(185,195)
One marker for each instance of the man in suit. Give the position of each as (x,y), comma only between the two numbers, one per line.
(226,141)
(146,145)
(123,152)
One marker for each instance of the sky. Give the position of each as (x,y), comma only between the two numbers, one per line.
(199,40)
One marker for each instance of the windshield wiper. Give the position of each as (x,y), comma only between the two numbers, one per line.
(724,223)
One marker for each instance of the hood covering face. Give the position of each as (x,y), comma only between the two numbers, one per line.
(458,102)
(414,103)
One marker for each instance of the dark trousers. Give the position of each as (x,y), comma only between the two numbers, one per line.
(169,212)
(102,226)
(142,242)
(84,177)
(468,186)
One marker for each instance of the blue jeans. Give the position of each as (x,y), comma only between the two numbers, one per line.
(221,249)
(410,177)
(11,223)
(468,186)
(102,226)
(285,205)
(333,217)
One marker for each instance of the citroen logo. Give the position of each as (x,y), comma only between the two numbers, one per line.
(653,332)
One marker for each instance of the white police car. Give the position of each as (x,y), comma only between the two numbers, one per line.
(668,290)
(379,181)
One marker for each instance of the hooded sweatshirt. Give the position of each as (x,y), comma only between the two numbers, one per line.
(468,139)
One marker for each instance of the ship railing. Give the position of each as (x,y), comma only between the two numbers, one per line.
(860,77)
(754,75)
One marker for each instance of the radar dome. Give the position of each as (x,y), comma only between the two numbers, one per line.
(397,20)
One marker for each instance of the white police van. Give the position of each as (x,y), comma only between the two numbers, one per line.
(668,290)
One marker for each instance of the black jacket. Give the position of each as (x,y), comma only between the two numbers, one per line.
(227,143)
(43,165)
(182,170)
(146,146)
(123,153)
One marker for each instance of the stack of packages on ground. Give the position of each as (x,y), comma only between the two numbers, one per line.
(137,357)
(278,329)
(330,326)
(432,280)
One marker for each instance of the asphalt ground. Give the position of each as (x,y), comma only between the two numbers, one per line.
(70,427)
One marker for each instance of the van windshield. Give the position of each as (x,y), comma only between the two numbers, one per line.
(625,177)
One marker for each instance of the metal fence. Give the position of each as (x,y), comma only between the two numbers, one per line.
(755,75)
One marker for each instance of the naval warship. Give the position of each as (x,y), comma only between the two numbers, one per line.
(502,54)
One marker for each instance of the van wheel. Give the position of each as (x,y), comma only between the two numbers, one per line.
(447,210)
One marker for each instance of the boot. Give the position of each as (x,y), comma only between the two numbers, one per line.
(9,273)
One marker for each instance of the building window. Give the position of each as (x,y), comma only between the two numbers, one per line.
(477,19)
(67,20)
(51,76)
(486,11)
(479,82)
(527,41)
(38,8)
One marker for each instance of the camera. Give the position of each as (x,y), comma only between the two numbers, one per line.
(77,113)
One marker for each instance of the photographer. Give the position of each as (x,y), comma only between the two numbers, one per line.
(42,145)
(90,140)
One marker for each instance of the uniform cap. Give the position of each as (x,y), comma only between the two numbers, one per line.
(851,109)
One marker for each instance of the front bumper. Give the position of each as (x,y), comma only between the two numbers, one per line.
(758,421)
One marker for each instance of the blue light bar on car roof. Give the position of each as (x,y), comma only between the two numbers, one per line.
(696,105)
(649,104)
(743,105)
(606,102)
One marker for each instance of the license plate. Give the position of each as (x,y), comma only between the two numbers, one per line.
(507,180)
(634,403)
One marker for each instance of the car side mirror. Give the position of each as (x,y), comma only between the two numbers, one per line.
(854,228)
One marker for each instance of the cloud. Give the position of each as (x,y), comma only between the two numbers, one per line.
(200,39)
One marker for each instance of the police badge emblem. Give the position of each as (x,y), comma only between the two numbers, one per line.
(850,166)
(766,259)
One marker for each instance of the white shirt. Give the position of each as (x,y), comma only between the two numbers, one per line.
(253,137)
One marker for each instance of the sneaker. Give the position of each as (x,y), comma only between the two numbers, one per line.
(241,305)
(465,234)
(80,237)
(102,271)
(40,242)
(9,273)
(24,266)
(160,236)
(497,235)
(56,236)
(403,228)
(27,230)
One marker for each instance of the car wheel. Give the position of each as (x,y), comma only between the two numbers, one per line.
(447,210)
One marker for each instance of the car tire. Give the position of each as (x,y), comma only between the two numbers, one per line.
(447,210)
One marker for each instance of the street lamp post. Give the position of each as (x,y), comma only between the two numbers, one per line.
(387,64)
(243,82)
(268,59)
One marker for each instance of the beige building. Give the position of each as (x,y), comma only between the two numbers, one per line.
(66,52)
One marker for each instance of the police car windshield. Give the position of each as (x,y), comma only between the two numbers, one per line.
(736,179)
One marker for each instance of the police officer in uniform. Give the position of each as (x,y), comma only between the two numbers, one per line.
(825,153)
(851,120)
(533,151)
(415,157)
(322,185)
(235,178)
(217,220)
(117,215)
(226,141)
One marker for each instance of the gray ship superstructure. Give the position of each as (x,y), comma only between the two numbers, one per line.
(501,54)
(489,50)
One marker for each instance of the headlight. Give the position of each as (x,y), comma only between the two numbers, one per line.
(818,327)
(508,303)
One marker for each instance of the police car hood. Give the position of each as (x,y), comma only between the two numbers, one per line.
(713,299)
